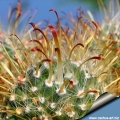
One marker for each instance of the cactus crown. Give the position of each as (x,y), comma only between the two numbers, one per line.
(56,73)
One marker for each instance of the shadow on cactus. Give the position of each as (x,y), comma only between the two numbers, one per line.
(57,73)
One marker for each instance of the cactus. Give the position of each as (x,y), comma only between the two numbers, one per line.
(60,73)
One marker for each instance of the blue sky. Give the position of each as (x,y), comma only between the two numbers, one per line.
(42,6)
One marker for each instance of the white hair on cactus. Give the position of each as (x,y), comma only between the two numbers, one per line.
(80,93)
(24,97)
(61,92)
(83,107)
(12,97)
(57,82)
(71,114)
(37,75)
(7,117)
(77,64)
(68,75)
(39,109)
(41,99)
(48,83)
(34,89)
(87,75)
(75,82)
(46,65)
(27,109)
(53,105)
(58,113)
(18,111)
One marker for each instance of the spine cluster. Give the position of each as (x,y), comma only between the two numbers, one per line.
(57,73)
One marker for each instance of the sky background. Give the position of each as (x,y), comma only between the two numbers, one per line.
(43,7)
